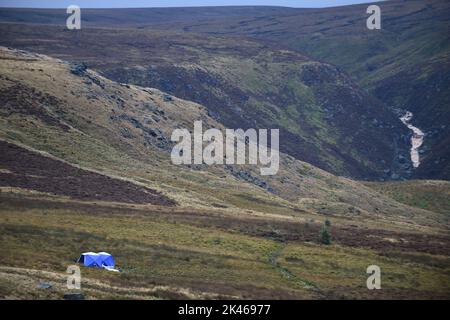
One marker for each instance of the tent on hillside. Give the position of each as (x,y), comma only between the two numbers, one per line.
(96,260)
(107,259)
(90,259)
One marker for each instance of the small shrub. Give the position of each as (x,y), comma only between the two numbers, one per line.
(324,236)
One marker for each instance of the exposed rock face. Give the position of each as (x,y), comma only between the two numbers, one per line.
(78,69)
(247,176)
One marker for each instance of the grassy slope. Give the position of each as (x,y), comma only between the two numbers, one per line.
(160,250)
(427,194)
(325,119)
(261,245)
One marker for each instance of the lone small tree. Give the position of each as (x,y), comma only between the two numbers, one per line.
(324,235)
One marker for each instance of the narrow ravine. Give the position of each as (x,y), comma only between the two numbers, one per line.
(416,139)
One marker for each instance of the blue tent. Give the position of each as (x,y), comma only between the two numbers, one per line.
(90,259)
(96,260)
(107,259)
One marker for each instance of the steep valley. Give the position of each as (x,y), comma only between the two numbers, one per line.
(87,116)
(219,232)
(324,118)
(404,65)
